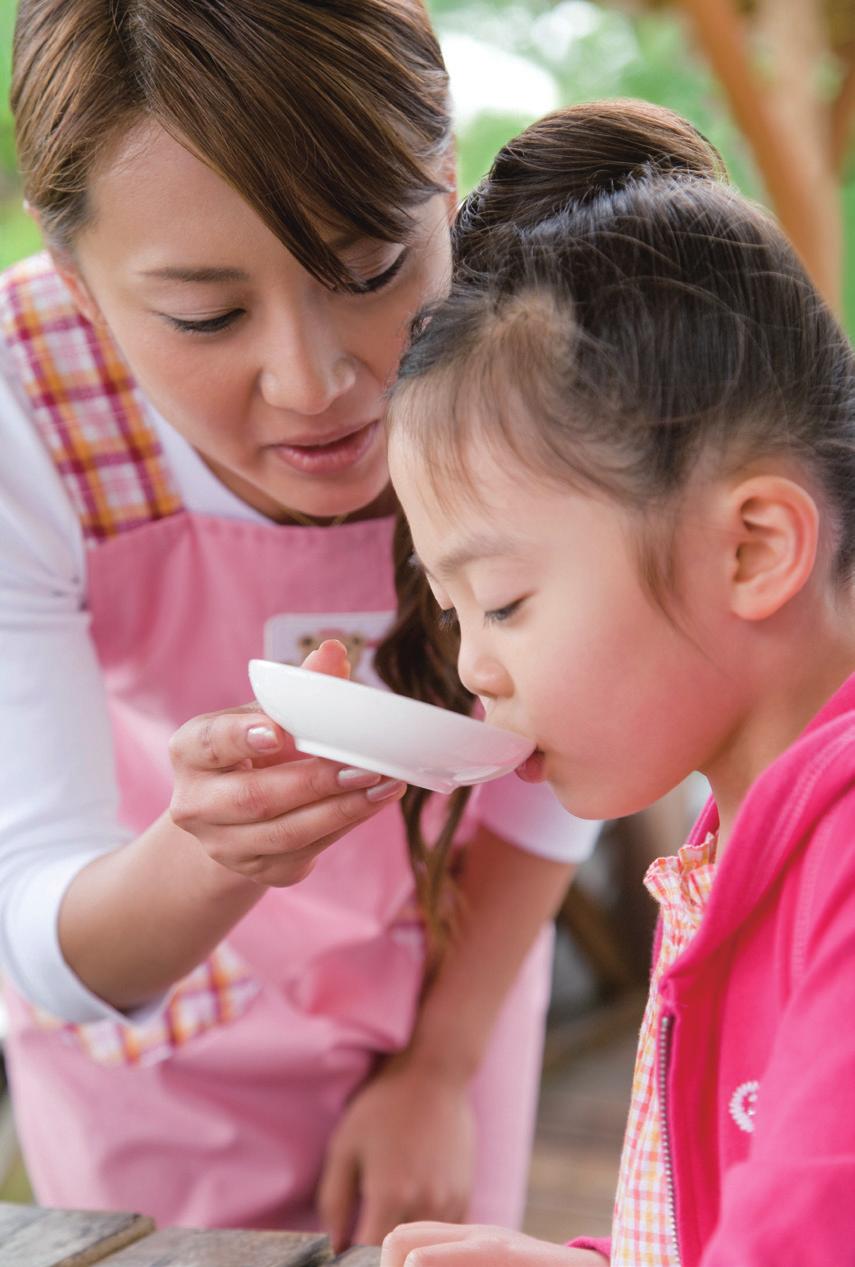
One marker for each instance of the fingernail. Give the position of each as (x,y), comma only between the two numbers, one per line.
(352,776)
(262,738)
(383,791)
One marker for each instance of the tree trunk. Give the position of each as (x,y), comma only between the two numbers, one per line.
(792,145)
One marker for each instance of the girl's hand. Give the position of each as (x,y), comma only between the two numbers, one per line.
(444,1245)
(403,1150)
(254,803)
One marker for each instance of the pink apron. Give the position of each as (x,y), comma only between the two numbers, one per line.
(218,1112)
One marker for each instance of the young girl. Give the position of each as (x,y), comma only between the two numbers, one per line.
(244,204)
(626,448)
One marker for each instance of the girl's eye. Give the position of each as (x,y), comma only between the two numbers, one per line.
(372,284)
(447,618)
(208,325)
(500,614)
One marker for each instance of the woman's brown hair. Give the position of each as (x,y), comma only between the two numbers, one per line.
(316,111)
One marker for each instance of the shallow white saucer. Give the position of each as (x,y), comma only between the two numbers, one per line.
(386,733)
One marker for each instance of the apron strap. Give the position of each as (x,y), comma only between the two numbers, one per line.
(85,405)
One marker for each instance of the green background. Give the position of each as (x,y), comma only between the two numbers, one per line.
(616,54)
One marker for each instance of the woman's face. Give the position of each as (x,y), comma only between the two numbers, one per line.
(276,380)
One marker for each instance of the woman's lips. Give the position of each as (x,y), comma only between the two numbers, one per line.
(331,458)
(533,769)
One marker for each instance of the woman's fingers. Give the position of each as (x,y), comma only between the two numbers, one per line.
(280,850)
(239,796)
(222,741)
(312,824)
(255,804)
(338,1196)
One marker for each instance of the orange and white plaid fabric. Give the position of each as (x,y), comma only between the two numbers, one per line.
(90,416)
(85,405)
(216,992)
(642,1232)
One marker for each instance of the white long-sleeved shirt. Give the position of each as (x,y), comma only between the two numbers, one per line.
(58,791)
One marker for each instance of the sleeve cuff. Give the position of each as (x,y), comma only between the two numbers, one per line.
(33,959)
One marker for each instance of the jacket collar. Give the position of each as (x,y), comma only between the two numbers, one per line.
(777,816)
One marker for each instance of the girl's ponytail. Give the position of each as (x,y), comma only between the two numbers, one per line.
(571,157)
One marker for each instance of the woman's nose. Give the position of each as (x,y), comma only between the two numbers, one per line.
(306,373)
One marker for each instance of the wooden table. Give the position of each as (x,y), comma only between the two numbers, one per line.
(33,1236)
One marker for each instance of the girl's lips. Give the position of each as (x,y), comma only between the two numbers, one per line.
(328,459)
(533,769)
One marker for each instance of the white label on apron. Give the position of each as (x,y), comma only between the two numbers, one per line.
(290,636)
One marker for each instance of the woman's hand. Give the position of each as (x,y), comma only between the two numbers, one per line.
(254,803)
(403,1150)
(444,1245)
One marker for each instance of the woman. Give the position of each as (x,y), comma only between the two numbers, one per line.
(243,205)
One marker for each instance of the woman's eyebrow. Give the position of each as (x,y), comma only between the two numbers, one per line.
(201,275)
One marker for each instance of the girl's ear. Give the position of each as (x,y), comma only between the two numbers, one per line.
(772,526)
(80,292)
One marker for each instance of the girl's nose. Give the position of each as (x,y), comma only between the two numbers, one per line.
(482,673)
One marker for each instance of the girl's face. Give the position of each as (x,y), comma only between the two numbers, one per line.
(558,636)
(277,381)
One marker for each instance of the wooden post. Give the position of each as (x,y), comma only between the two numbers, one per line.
(796,34)
(843,113)
(780,151)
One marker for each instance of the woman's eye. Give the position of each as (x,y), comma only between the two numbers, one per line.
(447,618)
(379,280)
(500,614)
(207,325)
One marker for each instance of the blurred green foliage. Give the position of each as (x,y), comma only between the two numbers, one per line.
(587,51)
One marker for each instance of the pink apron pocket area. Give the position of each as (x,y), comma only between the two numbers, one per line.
(216,993)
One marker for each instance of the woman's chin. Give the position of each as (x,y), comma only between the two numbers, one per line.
(365,499)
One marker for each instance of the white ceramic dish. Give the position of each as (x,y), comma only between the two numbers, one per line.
(386,733)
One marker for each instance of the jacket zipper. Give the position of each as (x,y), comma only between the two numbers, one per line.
(664,1054)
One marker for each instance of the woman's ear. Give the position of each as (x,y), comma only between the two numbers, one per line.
(772,525)
(68,271)
(448,176)
(80,292)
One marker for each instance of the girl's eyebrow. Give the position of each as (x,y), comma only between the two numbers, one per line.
(469,551)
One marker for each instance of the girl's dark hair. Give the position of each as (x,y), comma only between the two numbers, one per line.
(571,156)
(565,160)
(316,111)
(658,322)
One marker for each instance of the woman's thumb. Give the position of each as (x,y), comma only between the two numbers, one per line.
(330,657)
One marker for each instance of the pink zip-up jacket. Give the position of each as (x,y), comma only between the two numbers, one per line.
(757,1045)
